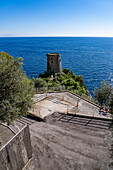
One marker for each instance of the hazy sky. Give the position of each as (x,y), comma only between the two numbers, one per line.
(56,18)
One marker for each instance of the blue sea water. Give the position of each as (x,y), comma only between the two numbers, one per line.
(91,57)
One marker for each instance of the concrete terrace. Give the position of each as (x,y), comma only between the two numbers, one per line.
(64,102)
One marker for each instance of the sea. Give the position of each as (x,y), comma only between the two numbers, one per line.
(91,57)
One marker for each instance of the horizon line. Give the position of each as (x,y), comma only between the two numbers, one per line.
(22,36)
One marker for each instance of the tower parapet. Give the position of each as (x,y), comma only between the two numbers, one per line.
(53,63)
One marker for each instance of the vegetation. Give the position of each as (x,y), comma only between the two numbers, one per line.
(67,79)
(104,95)
(15,89)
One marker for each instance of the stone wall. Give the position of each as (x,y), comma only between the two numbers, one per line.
(54,63)
(17,152)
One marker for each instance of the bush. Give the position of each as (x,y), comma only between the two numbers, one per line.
(16,90)
(67,79)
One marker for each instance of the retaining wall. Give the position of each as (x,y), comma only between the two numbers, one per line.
(16,153)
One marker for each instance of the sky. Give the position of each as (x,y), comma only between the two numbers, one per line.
(20,18)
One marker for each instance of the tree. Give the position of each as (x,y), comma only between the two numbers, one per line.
(67,79)
(68,82)
(16,90)
(66,71)
(39,82)
(103,93)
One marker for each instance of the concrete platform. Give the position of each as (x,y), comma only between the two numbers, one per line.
(64,102)
(50,105)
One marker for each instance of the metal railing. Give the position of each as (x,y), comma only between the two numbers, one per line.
(64,88)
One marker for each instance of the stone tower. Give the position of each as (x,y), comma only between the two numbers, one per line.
(53,63)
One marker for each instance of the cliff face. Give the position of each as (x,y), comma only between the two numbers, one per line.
(54,63)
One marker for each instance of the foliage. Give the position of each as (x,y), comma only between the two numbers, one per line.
(66,71)
(45,75)
(39,82)
(15,89)
(67,79)
(103,93)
